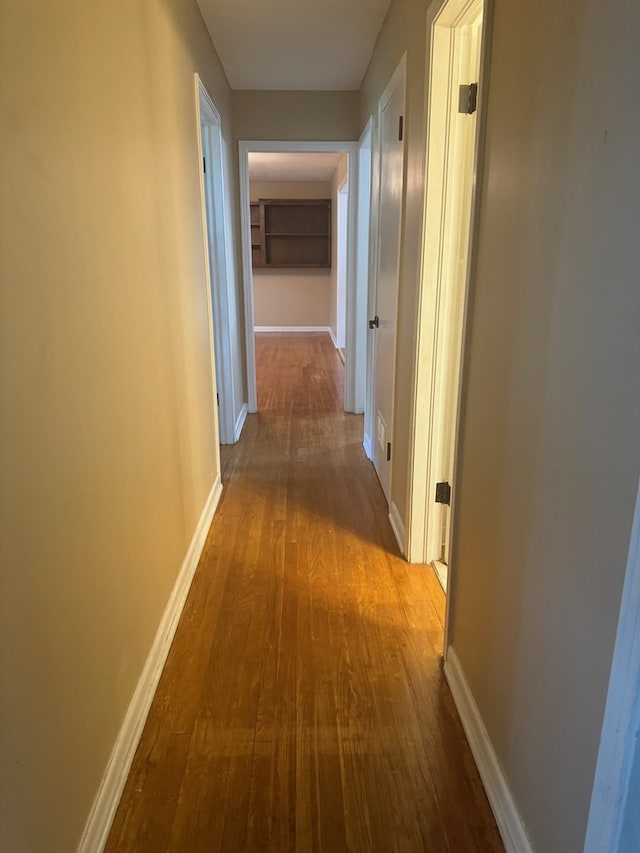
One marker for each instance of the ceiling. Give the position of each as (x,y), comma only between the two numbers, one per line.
(294,44)
(290,166)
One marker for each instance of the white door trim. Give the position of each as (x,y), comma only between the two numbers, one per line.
(619,739)
(216,244)
(372,287)
(425,364)
(363,266)
(350,149)
(342,248)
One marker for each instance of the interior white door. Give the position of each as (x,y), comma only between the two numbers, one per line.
(383,324)
(457,196)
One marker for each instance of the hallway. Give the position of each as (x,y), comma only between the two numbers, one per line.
(303,706)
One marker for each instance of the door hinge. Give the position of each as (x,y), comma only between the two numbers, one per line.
(204,165)
(443,493)
(468,99)
(400,128)
(373,324)
(217,398)
(388,451)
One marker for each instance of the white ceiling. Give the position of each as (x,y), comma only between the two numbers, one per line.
(294,44)
(292,166)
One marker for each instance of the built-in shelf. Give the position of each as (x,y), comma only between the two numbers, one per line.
(291,233)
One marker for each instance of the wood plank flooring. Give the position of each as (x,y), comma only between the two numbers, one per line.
(302,706)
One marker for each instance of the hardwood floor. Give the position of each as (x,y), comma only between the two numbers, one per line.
(302,706)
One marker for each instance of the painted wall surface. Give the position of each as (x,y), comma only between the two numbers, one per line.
(108,445)
(299,116)
(548,464)
(291,297)
(404,30)
(551,438)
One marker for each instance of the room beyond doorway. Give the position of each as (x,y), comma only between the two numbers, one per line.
(254,304)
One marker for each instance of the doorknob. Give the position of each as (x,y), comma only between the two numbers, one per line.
(373,324)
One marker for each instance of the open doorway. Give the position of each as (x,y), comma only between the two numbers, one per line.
(457,38)
(215,215)
(256,270)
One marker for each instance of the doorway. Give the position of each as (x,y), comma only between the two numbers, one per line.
(215,215)
(457,38)
(247,148)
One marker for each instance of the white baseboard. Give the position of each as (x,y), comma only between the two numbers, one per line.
(240,421)
(293,329)
(100,818)
(334,340)
(495,784)
(366,443)
(398,527)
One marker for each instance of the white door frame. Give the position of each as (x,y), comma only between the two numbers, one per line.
(363,263)
(425,372)
(350,149)
(216,240)
(619,738)
(372,289)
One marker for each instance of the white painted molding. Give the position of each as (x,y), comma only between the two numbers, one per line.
(292,329)
(216,240)
(247,276)
(334,340)
(622,715)
(353,321)
(362,246)
(372,286)
(240,421)
(495,783)
(104,807)
(397,526)
(421,475)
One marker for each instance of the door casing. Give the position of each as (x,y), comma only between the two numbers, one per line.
(218,252)
(363,264)
(446,14)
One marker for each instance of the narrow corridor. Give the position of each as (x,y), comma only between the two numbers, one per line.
(303,706)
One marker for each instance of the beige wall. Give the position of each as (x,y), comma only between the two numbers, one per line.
(108,432)
(552,397)
(299,116)
(550,444)
(291,297)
